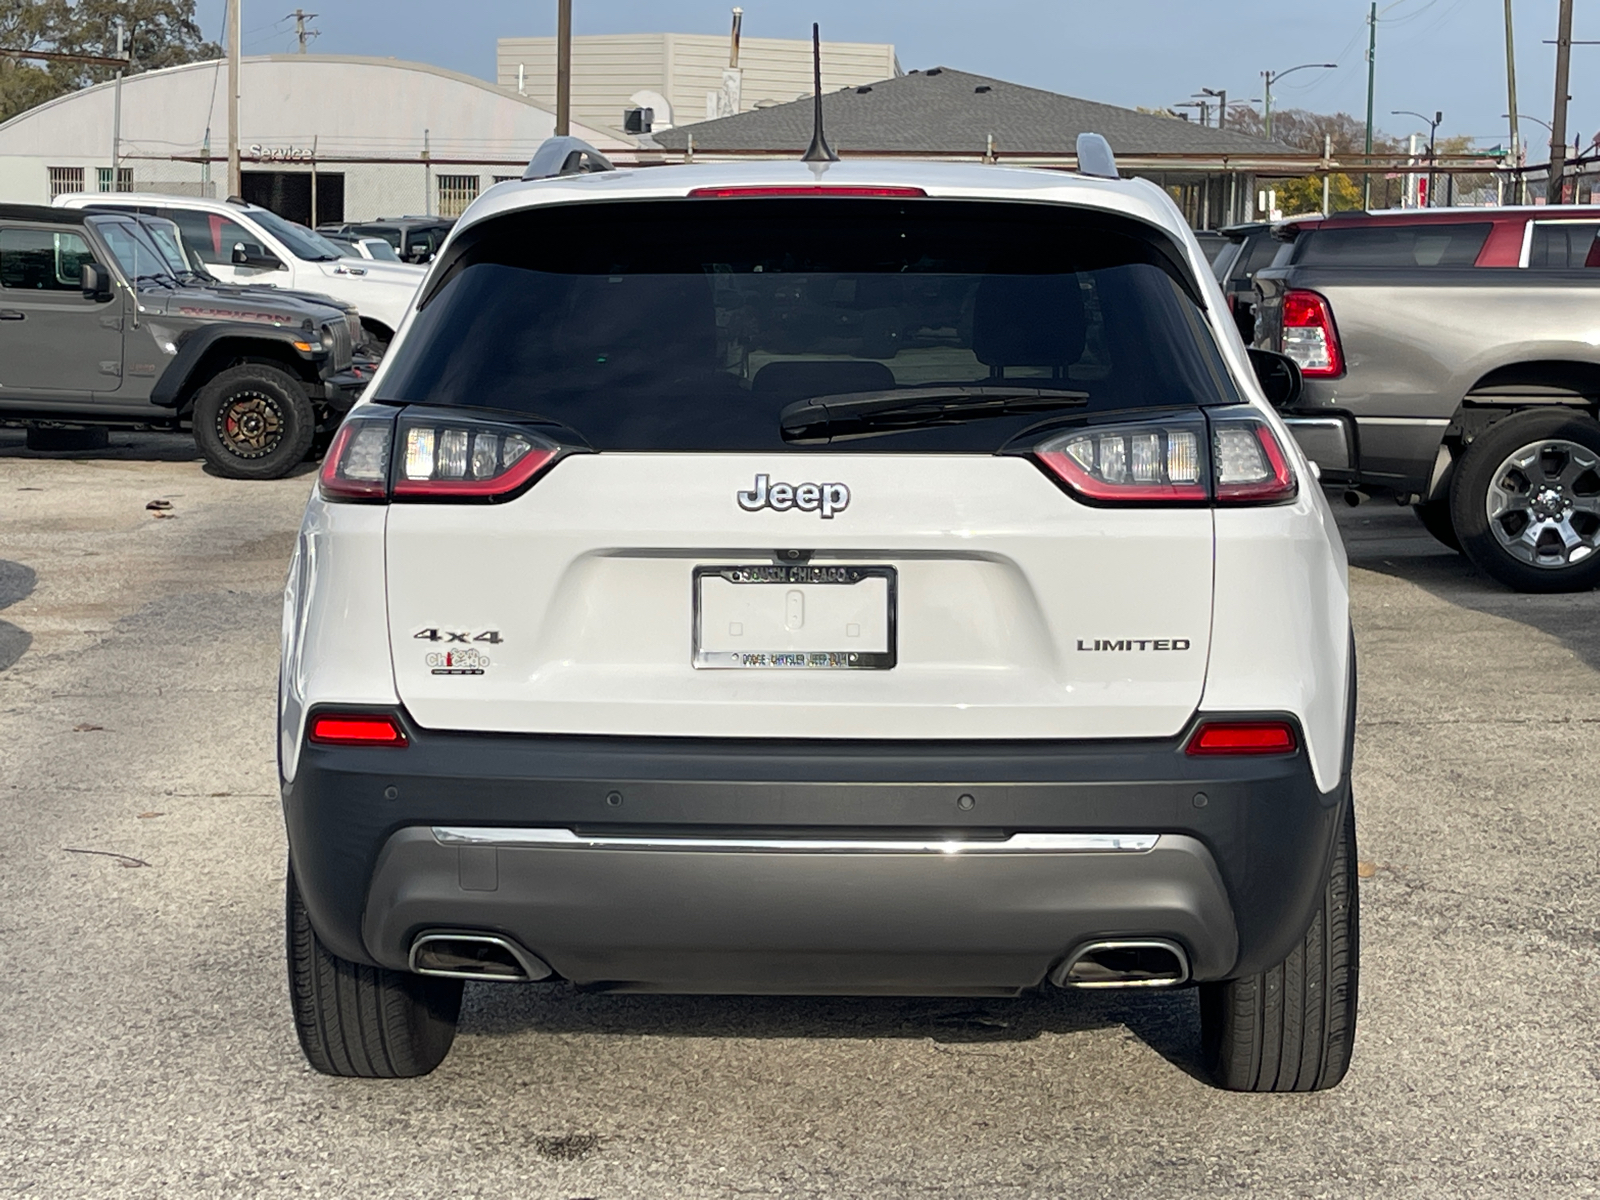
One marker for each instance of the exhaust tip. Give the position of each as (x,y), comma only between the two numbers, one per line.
(1141,962)
(475,956)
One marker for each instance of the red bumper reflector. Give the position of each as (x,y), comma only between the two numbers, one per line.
(356,729)
(1244,737)
(742,193)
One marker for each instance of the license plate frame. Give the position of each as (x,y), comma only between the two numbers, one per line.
(790,575)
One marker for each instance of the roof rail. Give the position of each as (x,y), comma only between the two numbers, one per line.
(565,156)
(1095,157)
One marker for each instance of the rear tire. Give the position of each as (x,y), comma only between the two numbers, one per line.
(1526,501)
(254,422)
(1291,1028)
(1435,518)
(364,1022)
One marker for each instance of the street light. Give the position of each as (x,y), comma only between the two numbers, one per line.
(1221,97)
(1433,128)
(1526,117)
(1273,77)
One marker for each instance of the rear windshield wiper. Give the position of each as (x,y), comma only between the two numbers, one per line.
(860,414)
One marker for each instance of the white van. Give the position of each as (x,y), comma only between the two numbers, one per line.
(246,244)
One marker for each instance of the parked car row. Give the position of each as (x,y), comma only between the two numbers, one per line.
(1449,359)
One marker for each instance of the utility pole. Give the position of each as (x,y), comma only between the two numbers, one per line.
(300,31)
(235,183)
(1558,123)
(1511,95)
(116,107)
(563,67)
(1372,71)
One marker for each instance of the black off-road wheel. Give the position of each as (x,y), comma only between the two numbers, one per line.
(1435,518)
(1291,1028)
(1526,501)
(364,1022)
(254,422)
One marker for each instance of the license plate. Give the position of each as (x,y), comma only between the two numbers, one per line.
(834,618)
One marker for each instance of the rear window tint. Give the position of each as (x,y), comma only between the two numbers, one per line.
(1561,246)
(691,324)
(1433,245)
(1258,253)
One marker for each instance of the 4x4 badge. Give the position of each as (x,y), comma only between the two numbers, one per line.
(826,498)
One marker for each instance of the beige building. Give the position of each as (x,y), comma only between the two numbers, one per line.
(683,76)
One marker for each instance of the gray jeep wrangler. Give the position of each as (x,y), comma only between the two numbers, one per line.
(100,327)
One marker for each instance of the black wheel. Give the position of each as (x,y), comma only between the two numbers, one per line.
(254,422)
(1526,502)
(1435,518)
(364,1022)
(1291,1028)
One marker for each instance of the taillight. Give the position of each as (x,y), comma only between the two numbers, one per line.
(1248,466)
(356,466)
(1309,336)
(356,729)
(1243,737)
(429,455)
(1148,461)
(1229,456)
(440,459)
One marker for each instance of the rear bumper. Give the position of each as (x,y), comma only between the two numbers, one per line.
(388,843)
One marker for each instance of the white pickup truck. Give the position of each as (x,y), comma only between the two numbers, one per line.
(246,244)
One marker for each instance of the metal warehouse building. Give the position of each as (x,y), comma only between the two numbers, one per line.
(368,137)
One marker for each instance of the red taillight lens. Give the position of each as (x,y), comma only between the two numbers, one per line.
(1309,336)
(1249,465)
(767,191)
(356,729)
(356,466)
(1148,462)
(440,459)
(1243,737)
(1229,456)
(428,455)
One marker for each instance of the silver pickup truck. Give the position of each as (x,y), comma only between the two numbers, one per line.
(1451,358)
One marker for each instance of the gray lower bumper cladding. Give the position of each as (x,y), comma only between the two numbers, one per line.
(957,917)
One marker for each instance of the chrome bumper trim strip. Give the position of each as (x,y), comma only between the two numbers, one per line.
(1017,843)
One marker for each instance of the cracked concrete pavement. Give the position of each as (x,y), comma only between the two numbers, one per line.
(145,1042)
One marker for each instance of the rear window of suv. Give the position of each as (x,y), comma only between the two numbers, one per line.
(1439,244)
(691,324)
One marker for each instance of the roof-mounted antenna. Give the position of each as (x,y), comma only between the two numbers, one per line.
(819,150)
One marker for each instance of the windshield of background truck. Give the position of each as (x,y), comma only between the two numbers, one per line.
(302,242)
(690,324)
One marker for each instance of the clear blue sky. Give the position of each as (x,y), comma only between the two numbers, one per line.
(1444,55)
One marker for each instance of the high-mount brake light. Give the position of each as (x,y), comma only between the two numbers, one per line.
(440,458)
(1144,462)
(1243,737)
(356,729)
(1230,456)
(1309,336)
(743,192)
(356,466)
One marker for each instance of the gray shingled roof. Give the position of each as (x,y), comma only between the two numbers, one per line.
(947,110)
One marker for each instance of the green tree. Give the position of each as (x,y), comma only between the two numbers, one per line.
(160,33)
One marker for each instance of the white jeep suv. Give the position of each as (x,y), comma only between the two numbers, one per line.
(855,579)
